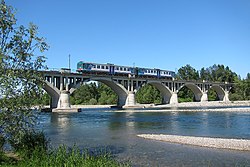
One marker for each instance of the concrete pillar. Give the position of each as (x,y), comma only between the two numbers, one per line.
(61,83)
(204,97)
(226,97)
(64,100)
(128,85)
(132,85)
(174,98)
(130,101)
(67,87)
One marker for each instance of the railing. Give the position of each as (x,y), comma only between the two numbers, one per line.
(60,70)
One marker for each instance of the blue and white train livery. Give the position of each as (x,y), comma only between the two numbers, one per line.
(111,69)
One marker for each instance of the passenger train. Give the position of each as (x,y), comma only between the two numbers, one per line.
(111,69)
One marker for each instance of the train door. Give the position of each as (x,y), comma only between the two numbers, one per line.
(111,70)
(158,73)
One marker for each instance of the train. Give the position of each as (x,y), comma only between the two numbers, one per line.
(112,69)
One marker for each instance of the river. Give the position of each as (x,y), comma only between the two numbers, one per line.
(106,130)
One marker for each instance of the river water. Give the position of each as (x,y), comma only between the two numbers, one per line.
(106,130)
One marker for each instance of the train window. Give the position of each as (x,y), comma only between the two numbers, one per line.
(107,67)
(102,67)
(98,66)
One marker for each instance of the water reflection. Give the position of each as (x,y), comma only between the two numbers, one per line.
(230,125)
(60,120)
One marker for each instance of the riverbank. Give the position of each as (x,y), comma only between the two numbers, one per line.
(203,104)
(178,105)
(213,106)
(235,144)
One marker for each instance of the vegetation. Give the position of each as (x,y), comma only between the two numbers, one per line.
(94,94)
(33,151)
(148,94)
(20,83)
(215,73)
(20,88)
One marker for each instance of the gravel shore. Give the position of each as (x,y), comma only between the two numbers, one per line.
(212,106)
(235,144)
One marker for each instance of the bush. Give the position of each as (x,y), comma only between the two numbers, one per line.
(92,101)
(29,142)
(235,97)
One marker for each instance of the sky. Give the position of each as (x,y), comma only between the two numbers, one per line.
(165,34)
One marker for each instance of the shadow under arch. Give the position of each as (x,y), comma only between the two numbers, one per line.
(195,89)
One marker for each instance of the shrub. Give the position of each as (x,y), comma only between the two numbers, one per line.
(92,101)
(29,142)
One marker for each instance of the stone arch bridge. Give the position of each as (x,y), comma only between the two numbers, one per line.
(60,84)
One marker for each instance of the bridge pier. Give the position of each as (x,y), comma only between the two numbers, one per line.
(130,101)
(204,97)
(225,97)
(64,100)
(174,98)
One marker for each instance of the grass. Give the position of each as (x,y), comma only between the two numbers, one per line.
(63,157)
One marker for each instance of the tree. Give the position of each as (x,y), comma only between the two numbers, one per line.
(187,73)
(148,94)
(20,81)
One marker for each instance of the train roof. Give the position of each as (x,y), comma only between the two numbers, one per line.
(146,68)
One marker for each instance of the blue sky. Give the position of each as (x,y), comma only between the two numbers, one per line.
(166,34)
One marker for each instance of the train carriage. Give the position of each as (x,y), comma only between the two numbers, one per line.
(111,69)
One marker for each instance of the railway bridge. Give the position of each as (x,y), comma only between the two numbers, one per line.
(59,84)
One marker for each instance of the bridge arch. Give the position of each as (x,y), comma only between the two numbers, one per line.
(221,93)
(195,89)
(116,87)
(164,90)
(54,93)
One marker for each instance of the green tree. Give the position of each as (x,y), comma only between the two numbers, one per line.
(218,73)
(92,93)
(20,81)
(106,95)
(148,94)
(187,73)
